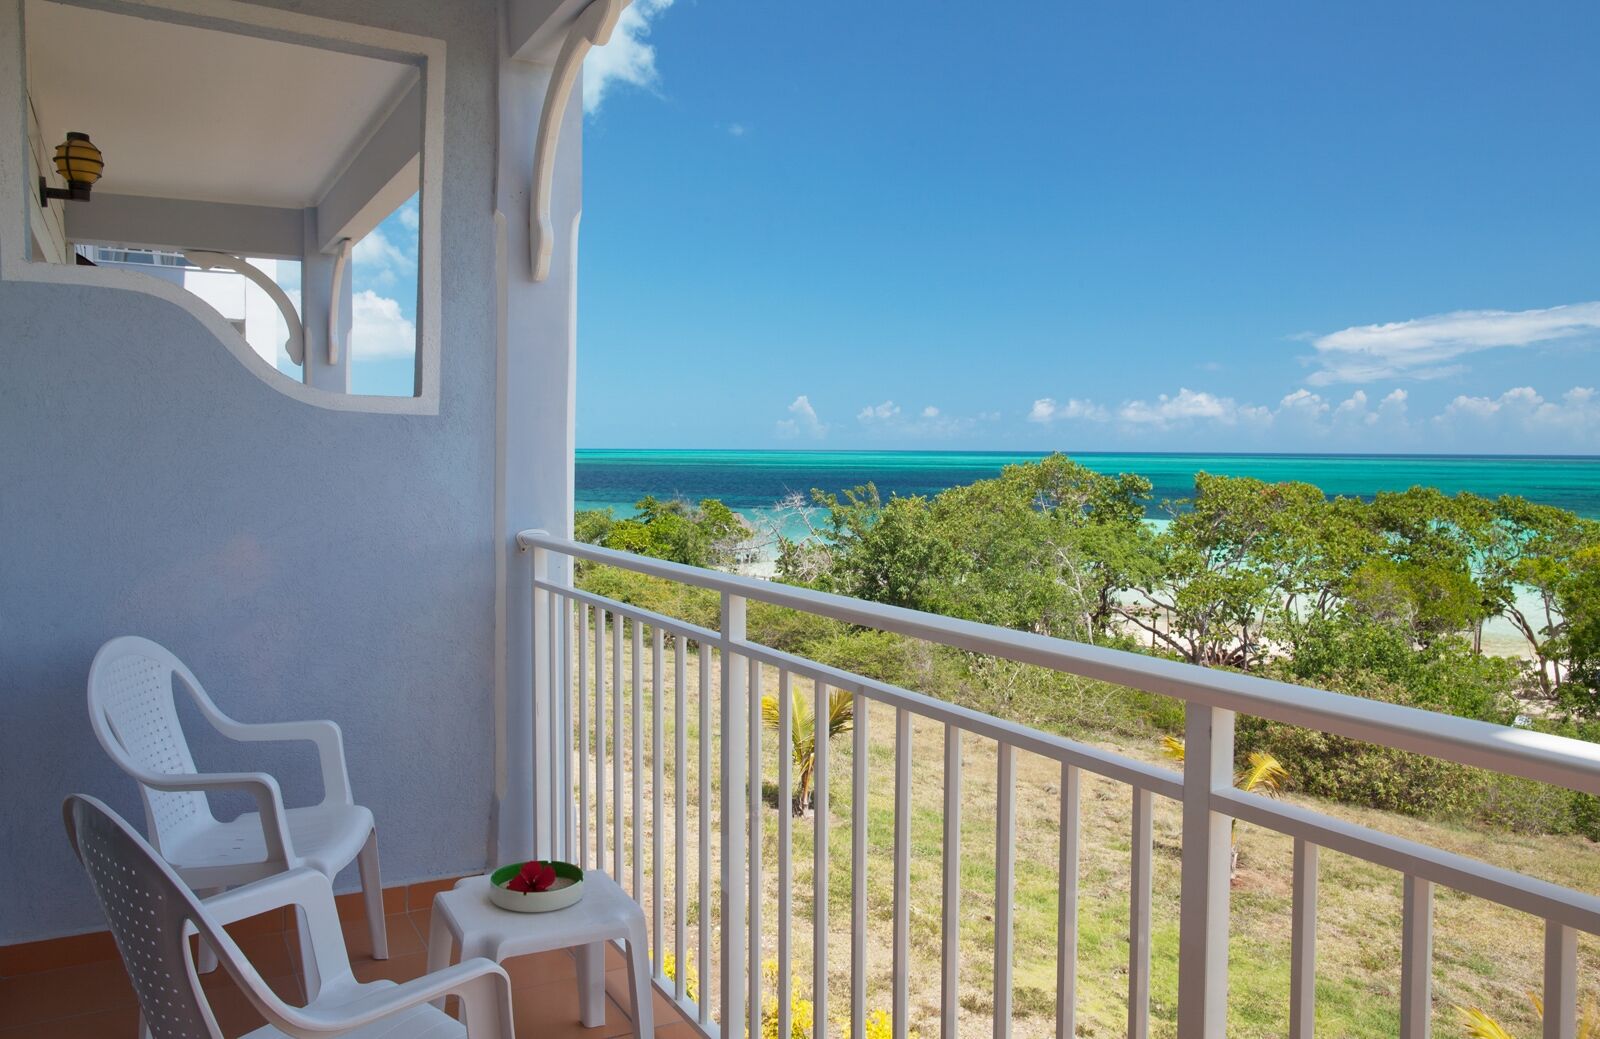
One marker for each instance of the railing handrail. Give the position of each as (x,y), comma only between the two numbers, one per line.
(1545,757)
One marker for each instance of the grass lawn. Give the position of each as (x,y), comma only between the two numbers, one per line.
(1483,954)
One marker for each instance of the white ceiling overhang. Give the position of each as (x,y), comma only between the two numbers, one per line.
(213,117)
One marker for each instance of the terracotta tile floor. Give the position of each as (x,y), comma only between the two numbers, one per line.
(96,1000)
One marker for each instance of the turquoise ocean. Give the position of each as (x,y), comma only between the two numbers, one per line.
(752,481)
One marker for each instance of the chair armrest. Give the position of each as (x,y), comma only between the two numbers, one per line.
(262,787)
(305,889)
(482,985)
(324,734)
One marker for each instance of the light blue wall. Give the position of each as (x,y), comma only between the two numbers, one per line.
(305,563)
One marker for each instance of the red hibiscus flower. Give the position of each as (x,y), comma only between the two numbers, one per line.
(534,876)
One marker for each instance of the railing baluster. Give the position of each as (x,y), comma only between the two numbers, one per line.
(1067,907)
(552,724)
(618,748)
(1560,981)
(785,751)
(568,805)
(950,945)
(734,795)
(1005,885)
(600,740)
(756,833)
(858,869)
(637,778)
(901,1015)
(680,814)
(1204,886)
(658,940)
(819,875)
(1303,943)
(542,654)
(583,735)
(704,915)
(1416,959)
(1139,919)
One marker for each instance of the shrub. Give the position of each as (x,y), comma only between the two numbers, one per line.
(1360,773)
(684,602)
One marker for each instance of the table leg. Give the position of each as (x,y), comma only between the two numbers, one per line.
(440,947)
(643,990)
(592,984)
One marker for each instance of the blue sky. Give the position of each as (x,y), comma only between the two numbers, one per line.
(1336,227)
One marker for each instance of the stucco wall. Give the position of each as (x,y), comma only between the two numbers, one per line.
(305,563)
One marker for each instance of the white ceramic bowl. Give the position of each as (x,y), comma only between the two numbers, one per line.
(568,889)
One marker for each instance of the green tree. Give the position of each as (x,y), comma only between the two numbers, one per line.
(1537,547)
(1210,587)
(704,534)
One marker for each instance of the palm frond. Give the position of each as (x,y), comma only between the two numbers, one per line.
(800,720)
(841,712)
(1265,774)
(1480,1025)
(1172,747)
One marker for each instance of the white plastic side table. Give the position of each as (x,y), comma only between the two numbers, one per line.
(465,917)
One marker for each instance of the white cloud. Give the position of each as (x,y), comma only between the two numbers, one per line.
(1187,405)
(804,422)
(1425,347)
(408,216)
(926,423)
(737,129)
(1521,419)
(1046,410)
(627,58)
(378,260)
(1355,405)
(379,329)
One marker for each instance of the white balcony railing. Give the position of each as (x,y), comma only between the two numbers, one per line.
(579,636)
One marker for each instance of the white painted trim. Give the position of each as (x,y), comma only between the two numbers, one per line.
(264,232)
(592,28)
(378,176)
(502,537)
(231,15)
(205,259)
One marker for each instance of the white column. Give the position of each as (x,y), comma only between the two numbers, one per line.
(533,432)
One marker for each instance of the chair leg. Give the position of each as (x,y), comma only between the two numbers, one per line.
(592,984)
(639,977)
(372,891)
(208,955)
(308,956)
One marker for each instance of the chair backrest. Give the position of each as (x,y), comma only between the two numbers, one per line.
(149,909)
(133,714)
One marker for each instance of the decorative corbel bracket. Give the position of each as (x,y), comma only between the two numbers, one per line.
(335,325)
(208,260)
(592,28)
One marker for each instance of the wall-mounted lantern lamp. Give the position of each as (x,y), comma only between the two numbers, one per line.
(79,162)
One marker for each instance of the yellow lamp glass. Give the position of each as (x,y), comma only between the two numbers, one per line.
(78,160)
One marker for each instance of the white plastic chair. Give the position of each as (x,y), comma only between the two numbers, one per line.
(152,913)
(134,716)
